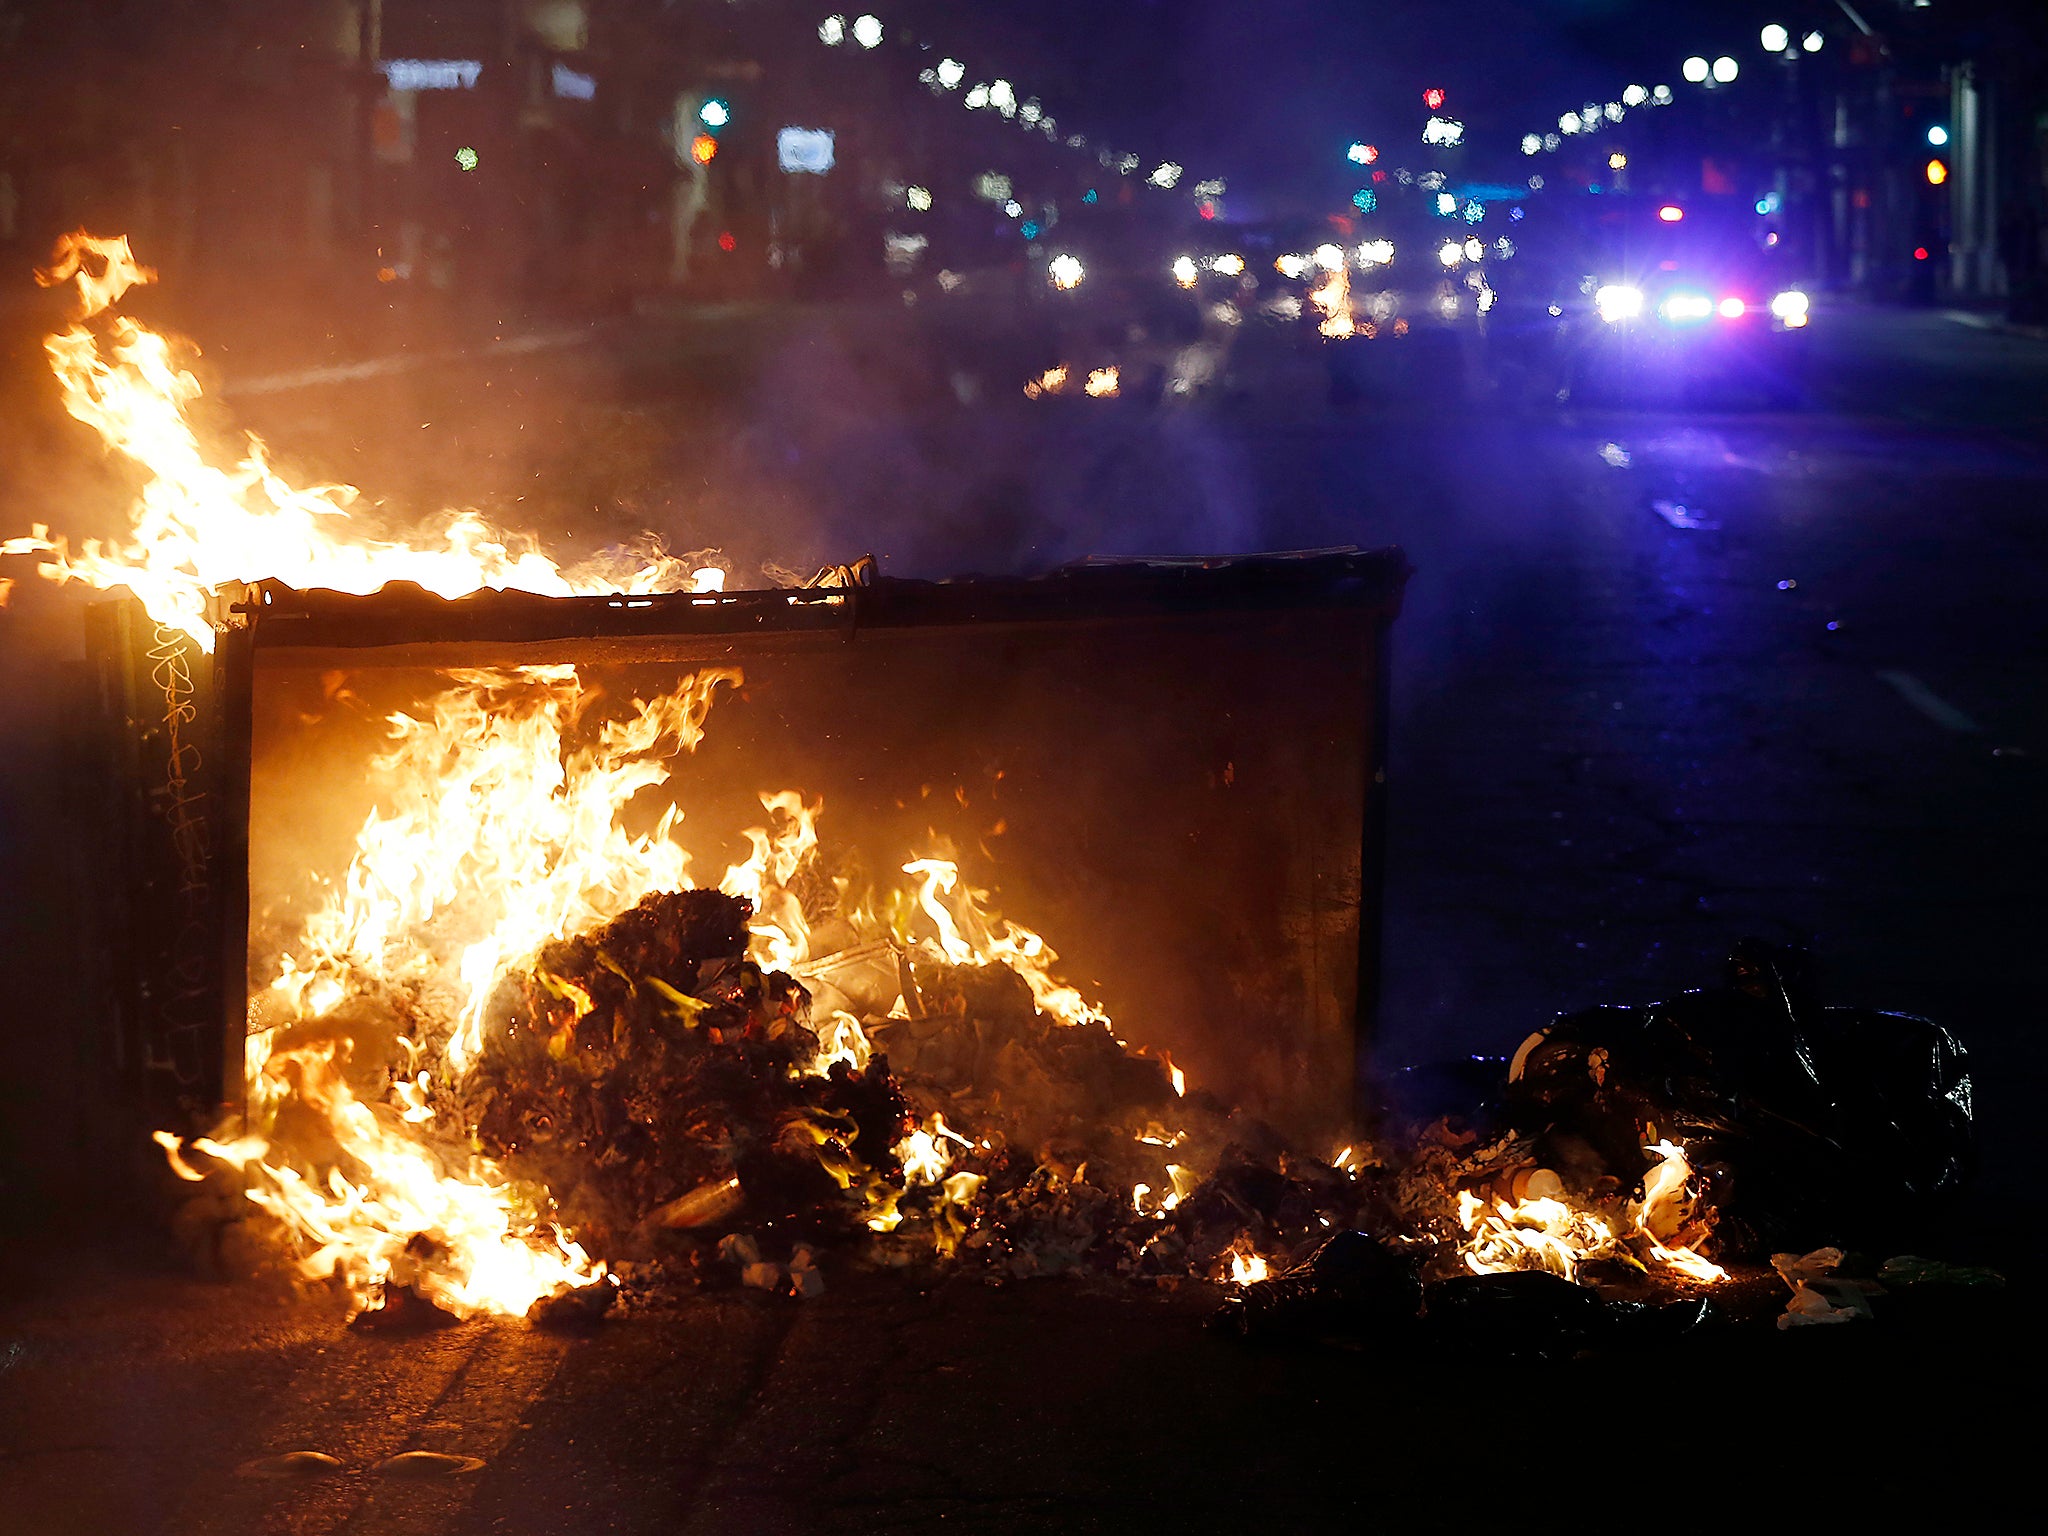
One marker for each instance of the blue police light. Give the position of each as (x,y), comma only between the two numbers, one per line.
(1088,196)
(1364,200)
(1029,229)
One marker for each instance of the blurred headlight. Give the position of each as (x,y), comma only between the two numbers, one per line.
(1686,306)
(1789,305)
(1616,302)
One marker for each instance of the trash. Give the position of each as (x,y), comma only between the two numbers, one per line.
(1683,517)
(1533,1313)
(1353,1286)
(660,1082)
(739,1249)
(580,1307)
(1804,1122)
(1910,1270)
(427,1464)
(403,1310)
(806,1279)
(1818,1295)
(291,1464)
(1826,1301)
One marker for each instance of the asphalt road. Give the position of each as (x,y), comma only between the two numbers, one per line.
(1620,742)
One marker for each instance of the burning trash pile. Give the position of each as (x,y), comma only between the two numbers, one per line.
(1624,1145)
(516,1058)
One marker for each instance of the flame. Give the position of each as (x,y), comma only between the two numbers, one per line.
(781,933)
(500,836)
(1050,382)
(202,522)
(1332,300)
(968,935)
(1552,1233)
(1246,1267)
(499,826)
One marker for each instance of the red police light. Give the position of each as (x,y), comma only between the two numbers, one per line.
(1919,253)
(1433,97)
(726,241)
(1671,213)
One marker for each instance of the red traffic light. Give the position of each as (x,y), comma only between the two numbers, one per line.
(1919,253)
(1433,98)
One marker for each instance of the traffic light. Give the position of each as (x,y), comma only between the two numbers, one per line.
(703,149)
(715,114)
(1937,172)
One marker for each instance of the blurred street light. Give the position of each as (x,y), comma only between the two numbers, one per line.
(1812,42)
(832,31)
(1775,38)
(867,31)
(1694,69)
(1725,69)
(1937,135)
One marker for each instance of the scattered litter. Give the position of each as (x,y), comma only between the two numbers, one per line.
(578,1307)
(1683,517)
(291,1464)
(1910,1270)
(427,1464)
(1819,1296)
(806,1279)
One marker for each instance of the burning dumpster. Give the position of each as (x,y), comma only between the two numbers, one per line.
(1175,767)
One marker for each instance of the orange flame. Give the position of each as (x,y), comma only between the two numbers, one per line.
(201,524)
(499,827)
(1550,1232)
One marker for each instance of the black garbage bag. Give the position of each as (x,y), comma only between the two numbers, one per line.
(1810,1124)
(1353,1286)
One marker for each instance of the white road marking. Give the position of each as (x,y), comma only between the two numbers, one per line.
(400,362)
(1928,702)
